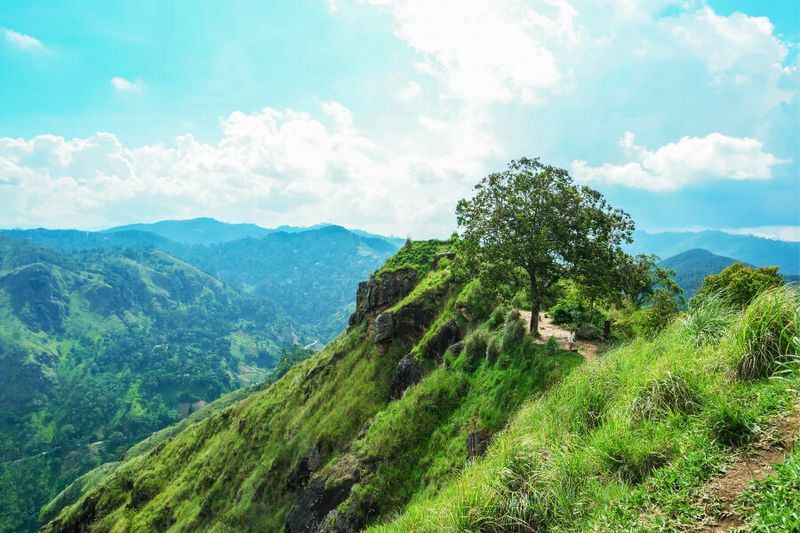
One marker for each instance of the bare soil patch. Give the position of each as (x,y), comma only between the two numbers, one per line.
(548,329)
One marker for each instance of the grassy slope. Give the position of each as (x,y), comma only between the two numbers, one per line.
(235,469)
(627,443)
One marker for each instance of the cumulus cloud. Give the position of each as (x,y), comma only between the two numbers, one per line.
(271,166)
(486,50)
(409,92)
(689,161)
(21,41)
(126,86)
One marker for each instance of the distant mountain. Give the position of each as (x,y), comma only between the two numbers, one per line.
(104,347)
(692,267)
(211,231)
(75,240)
(756,251)
(197,230)
(311,274)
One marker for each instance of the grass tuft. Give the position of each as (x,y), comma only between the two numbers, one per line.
(764,336)
(670,393)
(708,320)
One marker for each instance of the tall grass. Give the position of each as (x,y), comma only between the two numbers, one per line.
(708,320)
(630,441)
(764,336)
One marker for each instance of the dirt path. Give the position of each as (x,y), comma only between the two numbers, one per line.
(757,465)
(547,329)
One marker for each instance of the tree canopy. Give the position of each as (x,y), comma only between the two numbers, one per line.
(533,220)
(739,284)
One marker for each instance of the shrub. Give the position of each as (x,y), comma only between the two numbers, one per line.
(740,284)
(498,316)
(475,348)
(708,319)
(731,424)
(662,311)
(551,347)
(669,393)
(764,336)
(514,331)
(493,350)
(569,310)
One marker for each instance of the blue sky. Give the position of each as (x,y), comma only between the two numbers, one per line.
(381,114)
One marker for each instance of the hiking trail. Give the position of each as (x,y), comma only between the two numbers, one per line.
(547,329)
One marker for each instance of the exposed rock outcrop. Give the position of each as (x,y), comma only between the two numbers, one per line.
(322,495)
(448,335)
(587,332)
(407,323)
(407,373)
(378,294)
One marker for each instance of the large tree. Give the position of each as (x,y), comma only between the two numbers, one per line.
(532,219)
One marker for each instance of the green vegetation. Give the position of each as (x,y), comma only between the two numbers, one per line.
(531,220)
(102,348)
(739,284)
(437,410)
(629,443)
(772,504)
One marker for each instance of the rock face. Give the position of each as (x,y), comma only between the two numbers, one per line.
(319,499)
(384,327)
(407,323)
(448,335)
(587,332)
(407,373)
(376,295)
(37,297)
(477,443)
(307,466)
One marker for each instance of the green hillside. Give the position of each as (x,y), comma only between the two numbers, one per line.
(101,348)
(693,266)
(386,426)
(756,251)
(311,275)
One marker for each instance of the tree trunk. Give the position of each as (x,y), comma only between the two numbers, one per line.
(536,306)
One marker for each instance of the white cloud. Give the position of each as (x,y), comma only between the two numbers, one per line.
(409,92)
(22,41)
(486,51)
(781,233)
(126,86)
(689,161)
(270,166)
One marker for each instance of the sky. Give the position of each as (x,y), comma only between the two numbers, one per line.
(382,114)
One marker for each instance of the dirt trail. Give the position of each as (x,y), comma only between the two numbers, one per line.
(547,329)
(772,450)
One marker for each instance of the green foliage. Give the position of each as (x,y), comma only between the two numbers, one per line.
(765,335)
(513,331)
(568,229)
(666,394)
(475,348)
(493,350)
(772,504)
(645,427)
(708,319)
(498,317)
(419,255)
(731,423)
(102,348)
(477,300)
(660,313)
(739,284)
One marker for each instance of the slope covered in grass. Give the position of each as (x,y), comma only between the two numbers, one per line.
(335,441)
(632,441)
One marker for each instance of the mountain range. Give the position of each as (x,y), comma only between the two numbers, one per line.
(755,251)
